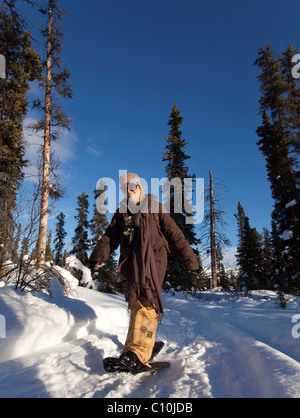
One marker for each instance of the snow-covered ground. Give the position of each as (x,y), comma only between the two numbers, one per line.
(218,346)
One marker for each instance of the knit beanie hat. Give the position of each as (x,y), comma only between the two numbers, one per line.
(128,178)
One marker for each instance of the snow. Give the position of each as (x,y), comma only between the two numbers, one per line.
(86,279)
(287,235)
(291,203)
(220,346)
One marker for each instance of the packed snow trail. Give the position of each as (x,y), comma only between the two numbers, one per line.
(217,349)
(226,359)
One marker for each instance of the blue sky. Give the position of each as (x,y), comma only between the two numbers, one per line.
(131,60)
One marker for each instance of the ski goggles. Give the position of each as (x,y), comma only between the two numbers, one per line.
(132,186)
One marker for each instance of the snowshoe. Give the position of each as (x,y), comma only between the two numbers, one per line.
(113,364)
(128,362)
(156,366)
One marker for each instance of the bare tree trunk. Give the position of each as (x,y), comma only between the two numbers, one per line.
(213,250)
(42,238)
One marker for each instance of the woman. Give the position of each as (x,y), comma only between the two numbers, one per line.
(143,230)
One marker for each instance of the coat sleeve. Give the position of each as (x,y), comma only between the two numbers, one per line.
(177,242)
(108,243)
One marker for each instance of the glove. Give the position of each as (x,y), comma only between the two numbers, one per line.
(92,264)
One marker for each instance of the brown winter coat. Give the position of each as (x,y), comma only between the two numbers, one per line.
(113,237)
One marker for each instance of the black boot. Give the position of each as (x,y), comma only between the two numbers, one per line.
(131,362)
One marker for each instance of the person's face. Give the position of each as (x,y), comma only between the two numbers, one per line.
(133,192)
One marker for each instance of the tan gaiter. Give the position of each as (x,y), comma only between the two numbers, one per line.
(141,332)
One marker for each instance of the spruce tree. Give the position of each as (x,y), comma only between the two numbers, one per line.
(253,249)
(176,168)
(107,275)
(22,66)
(240,217)
(59,239)
(99,221)
(249,252)
(292,105)
(278,274)
(279,143)
(49,254)
(267,261)
(221,273)
(80,240)
(24,247)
